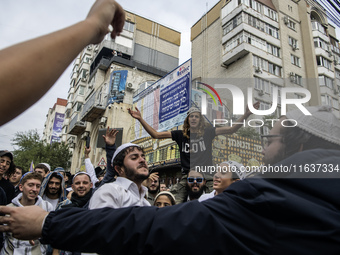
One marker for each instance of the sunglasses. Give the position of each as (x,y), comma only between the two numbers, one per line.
(197,179)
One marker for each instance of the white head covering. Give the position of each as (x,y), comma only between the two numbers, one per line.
(47,165)
(322,123)
(236,168)
(122,147)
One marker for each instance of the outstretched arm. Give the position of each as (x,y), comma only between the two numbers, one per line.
(152,132)
(234,128)
(48,56)
(110,147)
(89,167)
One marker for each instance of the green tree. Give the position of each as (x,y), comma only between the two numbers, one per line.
(248,132)
(29,147)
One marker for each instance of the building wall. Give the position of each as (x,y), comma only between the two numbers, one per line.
(154,45)
(211,63)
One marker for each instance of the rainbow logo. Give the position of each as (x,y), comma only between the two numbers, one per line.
(204,99)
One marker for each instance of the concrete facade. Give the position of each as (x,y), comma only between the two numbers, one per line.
(265,44)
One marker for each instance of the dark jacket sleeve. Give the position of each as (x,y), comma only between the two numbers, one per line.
(110,172)
(216,226)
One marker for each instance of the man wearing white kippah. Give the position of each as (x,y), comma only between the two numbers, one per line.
(43,169)
(129,162)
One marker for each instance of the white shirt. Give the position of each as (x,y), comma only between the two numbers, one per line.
(119,194)
(90,170)
(53,202)
(207,196)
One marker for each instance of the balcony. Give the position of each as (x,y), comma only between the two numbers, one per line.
(94,107)
(76,126)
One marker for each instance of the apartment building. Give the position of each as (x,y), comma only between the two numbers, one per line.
(54,122)
(106,76)
(268,44)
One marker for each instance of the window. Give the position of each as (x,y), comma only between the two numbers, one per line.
(232,24)
(129,26)
(295,60)
(293,42)
(295,78)
(267,66)
(326,81)
(321,61)
(270,13)
(77,107)
(271,49)
(316,26)
(319,43)
(291,24)
(327,100)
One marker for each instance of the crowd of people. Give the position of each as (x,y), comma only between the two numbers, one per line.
(128,211)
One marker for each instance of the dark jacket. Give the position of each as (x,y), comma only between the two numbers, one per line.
(291,215)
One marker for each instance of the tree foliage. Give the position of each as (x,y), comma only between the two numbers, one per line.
(248,132)
(30,147)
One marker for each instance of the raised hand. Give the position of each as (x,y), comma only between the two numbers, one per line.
(135,114)
(110,136)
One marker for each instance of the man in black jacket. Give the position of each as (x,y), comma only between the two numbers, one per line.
(297,212)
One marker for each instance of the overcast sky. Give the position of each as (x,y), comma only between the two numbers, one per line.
(21,20)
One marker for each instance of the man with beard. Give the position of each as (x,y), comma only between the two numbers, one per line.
(129,162)
(53,189)
(153,186)
(195,185)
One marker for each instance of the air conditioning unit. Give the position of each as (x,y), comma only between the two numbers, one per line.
(90,86)
(83,79)
(292,76)
(71,140)
(261,92)
(71,145)
(84,136)
(130,86)
(294,47)
(89,47)
(102,121)
(258,69)
(286,20)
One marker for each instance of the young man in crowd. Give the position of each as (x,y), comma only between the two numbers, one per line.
(228,173)
(153,187)
(53,189)
(29,187)
(14,179)
(42,168)
(129,162)
(82,191)
(7,167)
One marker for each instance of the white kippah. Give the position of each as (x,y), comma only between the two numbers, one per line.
(81,172)
(322,123)
(47,165)
(122,147)
(236,168)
